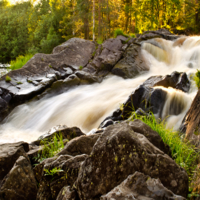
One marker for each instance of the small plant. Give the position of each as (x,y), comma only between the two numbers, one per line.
(132,35)
(42,59)
(80,67)
(197,78)
(8,79)
(53,171)
(50,148)
(18,83)
(119,32)
(20,61)
(50,66)
(29,81)
(99,41)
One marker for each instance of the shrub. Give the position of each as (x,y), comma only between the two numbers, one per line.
(8,79)
(119,32)
(20,61)
(197,78)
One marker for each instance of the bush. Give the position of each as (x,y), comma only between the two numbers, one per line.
(197,78)
(119,32)
(20,61)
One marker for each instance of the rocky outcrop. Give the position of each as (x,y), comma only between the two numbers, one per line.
(41,71)
(19,183)
(9,153)
(149,98)
(120,152)
(67,194)
(139,186)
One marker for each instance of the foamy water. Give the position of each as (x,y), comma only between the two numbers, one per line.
(86,106)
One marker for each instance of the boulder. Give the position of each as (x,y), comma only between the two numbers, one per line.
(19,183)
(120,152)
(9,153)
(66,132)
(153,137)
(139,186)
(80,145)
(67,194)
(60,173)
(42,70)
(132,64)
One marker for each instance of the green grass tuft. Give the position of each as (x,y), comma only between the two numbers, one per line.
(80,67)
(197,78)
(184,154)
(20,61)
(8,79)
(119,32)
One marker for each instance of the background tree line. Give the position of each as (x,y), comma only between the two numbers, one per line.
(38,26)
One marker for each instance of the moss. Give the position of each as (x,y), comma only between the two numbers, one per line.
(80,67)
(18,83)
(8,79)
(116,158)
(50,66)
(29,81)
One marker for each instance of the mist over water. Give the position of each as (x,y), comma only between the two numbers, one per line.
(86,106)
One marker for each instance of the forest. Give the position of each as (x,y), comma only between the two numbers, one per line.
(35,26)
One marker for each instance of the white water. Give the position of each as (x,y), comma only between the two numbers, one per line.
(86,106)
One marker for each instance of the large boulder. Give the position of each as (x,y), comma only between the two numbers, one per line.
(19,183)
(120,152)
(9,153)
(139,186)
(41,71)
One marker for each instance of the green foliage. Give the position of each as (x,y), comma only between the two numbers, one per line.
(197,78)
(80,67)
(183,153)
(8,79)
(52,172)
(99,41)
(20,61)
(50,148)
(119,32)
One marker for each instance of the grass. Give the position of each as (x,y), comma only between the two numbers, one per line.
(99,41)
(51,148)
(53,171)
(20,61)
(183,153)
(80,67)
(8,79)
(119,32)
(197,78)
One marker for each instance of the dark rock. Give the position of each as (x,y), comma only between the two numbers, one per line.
(132,64)
(67,194)
(140,127)
(87,77)
(50,186)
(20,183)
(43,69)
(106,123)
(67,133)
(80,145)
(120,152)
(139,186)
(9,153)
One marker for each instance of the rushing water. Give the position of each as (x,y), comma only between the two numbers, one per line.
(4,69)
(86,106)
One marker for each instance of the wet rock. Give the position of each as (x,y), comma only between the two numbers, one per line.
(9,153)
(20,183)
(87,77)
(50,185)
(80,145)
(67,133)
(67,194)
(132,64)
(120,152)
(43,69)
(139,186)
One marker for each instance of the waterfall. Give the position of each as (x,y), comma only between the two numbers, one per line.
(87,105)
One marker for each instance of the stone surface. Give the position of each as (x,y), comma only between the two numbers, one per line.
(142,128)
(50,185)
(80,145)
(9,153)
(120,152)
(20,183)
(141,187)
(67,194)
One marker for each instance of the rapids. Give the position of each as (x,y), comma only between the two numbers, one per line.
(87,105)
